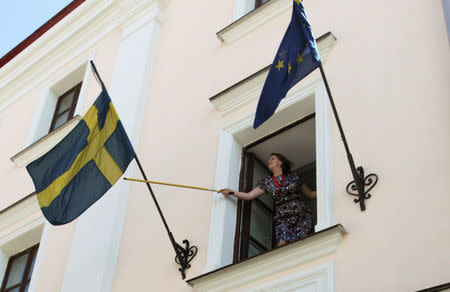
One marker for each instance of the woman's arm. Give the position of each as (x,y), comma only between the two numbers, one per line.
(256,192)
(307,191)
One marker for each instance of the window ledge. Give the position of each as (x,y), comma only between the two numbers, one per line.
(253,19)
(43,145)
(249,89)
(318,245)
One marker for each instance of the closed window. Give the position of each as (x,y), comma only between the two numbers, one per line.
(65,107)
(18,272)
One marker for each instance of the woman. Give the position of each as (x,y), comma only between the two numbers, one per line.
(293,219)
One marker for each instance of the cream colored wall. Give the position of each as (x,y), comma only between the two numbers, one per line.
(16,120)
(388,73)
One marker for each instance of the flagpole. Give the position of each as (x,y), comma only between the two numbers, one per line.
(359,181)
(184,255)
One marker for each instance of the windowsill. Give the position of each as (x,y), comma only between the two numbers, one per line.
(43,145)
(249,89)
(317,245)
(253,19)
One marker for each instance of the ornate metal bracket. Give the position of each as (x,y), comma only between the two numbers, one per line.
(184,255)
(367,182)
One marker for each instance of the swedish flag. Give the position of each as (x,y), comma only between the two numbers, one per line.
(297,56)
(81,168)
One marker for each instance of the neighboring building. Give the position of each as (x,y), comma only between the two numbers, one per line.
(185,77)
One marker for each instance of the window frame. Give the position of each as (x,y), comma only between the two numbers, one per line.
(259,3)
(32,252)
(244,211)
(56,114)
(242,235)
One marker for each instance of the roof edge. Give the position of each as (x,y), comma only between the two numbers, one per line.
(39,32)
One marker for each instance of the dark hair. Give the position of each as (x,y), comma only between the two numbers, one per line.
(286,164)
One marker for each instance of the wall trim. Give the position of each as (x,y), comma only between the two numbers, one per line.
(253,20)
(43,145)
(320,277)
(70,38)
(12,216)
(21,227)
(316,246)
(248,90)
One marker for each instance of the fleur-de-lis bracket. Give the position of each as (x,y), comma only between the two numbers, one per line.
(367,183)
(184,255)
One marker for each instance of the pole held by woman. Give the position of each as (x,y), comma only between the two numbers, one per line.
(175,185)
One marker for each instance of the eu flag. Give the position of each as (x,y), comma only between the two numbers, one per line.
(81,168)
(297,56)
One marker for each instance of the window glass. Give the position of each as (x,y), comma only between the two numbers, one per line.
(260,172)
(253,249)
(14,290)
(26,287)
(17,270)
(65,107)
(261,225)
(61,119)
(66,101)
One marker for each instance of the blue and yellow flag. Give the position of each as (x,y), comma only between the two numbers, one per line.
(297,56)
(81,168)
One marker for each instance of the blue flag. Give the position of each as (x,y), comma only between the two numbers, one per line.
(297,56)
(81,168)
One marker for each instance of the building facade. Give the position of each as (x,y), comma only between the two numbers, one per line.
(185,77)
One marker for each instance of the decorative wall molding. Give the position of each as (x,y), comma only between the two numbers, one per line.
(320,244)
(253,19)
(318,278)
(72,37)
(249,89)
(43,145)
(13,215)
(20,226)
(99,230)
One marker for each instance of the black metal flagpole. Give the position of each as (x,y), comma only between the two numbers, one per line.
(184,255)
(359,182)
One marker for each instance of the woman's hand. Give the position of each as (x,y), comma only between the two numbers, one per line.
(226,192)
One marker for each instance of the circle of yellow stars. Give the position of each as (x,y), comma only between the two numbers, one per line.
(281,65)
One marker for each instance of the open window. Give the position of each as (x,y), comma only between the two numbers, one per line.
(254,224)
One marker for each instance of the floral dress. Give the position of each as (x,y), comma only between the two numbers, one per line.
(293,219)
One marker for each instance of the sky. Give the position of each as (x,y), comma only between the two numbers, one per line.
(20,18)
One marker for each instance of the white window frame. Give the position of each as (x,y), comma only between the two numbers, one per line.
(223,218)
(49,97)
(246,18)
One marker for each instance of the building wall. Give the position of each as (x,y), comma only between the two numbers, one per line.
(388,73)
